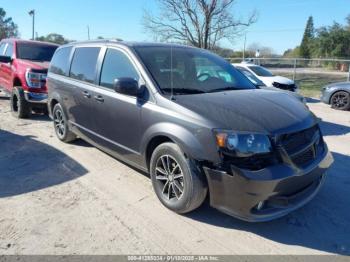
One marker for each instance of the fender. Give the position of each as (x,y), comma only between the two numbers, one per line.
(188,141)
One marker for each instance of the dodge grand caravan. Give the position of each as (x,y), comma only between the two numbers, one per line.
(259,154)
(23,70)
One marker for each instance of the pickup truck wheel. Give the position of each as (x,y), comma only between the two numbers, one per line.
(20,108)
(340,100)
(61,125)
(176,180)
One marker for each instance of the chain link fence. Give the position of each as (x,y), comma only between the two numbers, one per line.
(309,74)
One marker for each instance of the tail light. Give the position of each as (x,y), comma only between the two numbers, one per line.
(36,78)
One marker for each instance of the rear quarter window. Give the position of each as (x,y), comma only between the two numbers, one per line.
(83,66)
(60,61)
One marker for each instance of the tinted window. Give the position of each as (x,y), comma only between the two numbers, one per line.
(260,71)
(60,61)
(189,71)
(116,65)
(84,64)
(9,50)
(35,52)
(2,48)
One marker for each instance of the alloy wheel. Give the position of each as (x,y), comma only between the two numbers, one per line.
(59,123)
(340,100)
(170,177)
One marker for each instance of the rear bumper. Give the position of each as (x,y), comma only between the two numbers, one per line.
(281,189)
(37,98)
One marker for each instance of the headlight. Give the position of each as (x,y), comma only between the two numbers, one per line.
(242,144)
(35,79)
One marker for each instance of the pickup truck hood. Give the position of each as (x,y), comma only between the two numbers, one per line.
(262,111)
(33,64)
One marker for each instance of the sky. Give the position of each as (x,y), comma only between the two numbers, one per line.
(280,23)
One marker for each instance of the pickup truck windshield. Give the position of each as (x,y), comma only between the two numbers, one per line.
(190,71)
(35,52)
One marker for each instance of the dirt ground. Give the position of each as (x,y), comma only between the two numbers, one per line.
(58,198)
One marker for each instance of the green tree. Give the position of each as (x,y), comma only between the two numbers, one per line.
(7,27)
(306,43)
(53,38)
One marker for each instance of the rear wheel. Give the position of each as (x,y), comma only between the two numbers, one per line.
(20,108)
(61,125)
(340,100)
(176,180)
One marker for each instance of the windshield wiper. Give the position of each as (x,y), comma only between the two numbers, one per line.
(227,88)
(183,90)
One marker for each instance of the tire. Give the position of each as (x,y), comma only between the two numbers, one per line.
(61,127)
(168,187)
(20,108)
(340,100)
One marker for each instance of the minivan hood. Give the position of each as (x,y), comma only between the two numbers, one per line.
(262,111)
(33,64)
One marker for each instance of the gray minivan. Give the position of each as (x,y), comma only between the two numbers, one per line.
(190,119)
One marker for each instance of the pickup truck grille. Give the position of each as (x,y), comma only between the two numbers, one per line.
(304,146)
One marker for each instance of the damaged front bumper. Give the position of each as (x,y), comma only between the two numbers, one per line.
(268,193)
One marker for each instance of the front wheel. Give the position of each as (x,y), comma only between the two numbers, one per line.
(176,180)
(20,108)
(61,125)
(341,100)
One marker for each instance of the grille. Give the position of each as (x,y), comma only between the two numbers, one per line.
(297,145)
(290,87)
(305,158)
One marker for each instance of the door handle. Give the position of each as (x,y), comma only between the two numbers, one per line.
(99,98)
(86,94)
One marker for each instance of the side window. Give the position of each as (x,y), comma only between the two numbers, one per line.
(9,50)
(60,61)
(2,48)
(116,65)
(84,64)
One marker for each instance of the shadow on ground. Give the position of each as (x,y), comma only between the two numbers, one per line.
(312,100)
(332,129)
(27,165)
(323,224)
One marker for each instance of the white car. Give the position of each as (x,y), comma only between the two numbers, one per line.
(269,79)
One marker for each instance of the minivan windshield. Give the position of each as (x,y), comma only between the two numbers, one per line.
(260,71)
(190,71)
(35,52)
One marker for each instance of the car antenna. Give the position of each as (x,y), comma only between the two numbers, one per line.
(171,74)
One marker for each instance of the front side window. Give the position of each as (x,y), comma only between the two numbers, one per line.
(116,65)
(83,66)
(2,48)
(260,71)
(9,50)
(35,52)
(60,61)
(190,71)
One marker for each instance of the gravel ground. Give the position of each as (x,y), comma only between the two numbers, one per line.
(58,198)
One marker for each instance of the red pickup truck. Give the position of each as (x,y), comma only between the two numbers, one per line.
(23,71)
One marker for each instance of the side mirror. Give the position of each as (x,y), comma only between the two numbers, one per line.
(5,59)
(127,86)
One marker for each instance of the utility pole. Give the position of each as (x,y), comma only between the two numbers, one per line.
(32,14)
(88,32)
(245,41)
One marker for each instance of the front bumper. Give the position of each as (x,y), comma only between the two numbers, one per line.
(38,98)
(281,189)
(326,96)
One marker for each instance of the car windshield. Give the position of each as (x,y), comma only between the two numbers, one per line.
(251,77)
(190,71)
(35,52)
(260,71)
